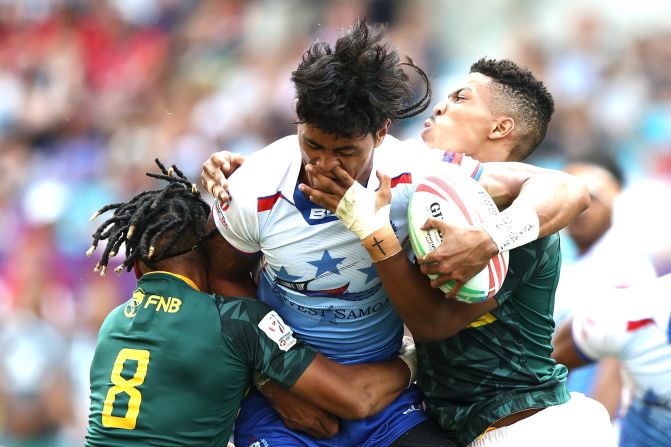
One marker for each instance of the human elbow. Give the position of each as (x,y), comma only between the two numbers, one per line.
(360,405)
(577,192)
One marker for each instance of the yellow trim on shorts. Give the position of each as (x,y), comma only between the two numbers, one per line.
(487,318)
(490,428)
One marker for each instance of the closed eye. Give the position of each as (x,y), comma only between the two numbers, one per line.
(347,153)
(458,96)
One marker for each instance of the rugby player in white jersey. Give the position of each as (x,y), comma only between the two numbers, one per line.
(632,324)
(313,271)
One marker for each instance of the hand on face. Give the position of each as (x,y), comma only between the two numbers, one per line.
(328,189)
(463,253)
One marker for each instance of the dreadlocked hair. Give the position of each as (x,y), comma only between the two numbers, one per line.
(154,225)
(352,88)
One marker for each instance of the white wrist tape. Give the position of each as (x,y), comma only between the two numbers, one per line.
(356,211)
(513,227)
(409,355)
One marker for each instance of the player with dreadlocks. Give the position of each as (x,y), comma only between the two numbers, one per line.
(141,223)
(172,363)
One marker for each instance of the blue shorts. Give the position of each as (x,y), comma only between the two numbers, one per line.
(647,423)
(259,423)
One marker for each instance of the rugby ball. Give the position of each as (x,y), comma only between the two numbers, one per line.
(460,200)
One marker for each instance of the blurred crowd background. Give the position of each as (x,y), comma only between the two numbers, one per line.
(92,91)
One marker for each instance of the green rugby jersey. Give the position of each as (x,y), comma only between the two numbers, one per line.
(500,364)
(172,364)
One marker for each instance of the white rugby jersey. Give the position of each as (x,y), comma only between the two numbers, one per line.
(633,325)
(314,272)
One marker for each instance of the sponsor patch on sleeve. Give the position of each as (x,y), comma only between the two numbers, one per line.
(277,331)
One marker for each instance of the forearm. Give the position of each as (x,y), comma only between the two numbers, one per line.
(423,309)
(347,391)
(361,390)
(557,199)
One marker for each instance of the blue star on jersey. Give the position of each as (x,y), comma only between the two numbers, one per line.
(326,264)
(283,274)
(370,273)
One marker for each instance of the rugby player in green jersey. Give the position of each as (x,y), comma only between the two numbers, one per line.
(173,363)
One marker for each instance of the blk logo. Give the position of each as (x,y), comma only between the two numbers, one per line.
(319,213)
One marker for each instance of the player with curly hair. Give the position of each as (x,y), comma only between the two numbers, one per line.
(173,363)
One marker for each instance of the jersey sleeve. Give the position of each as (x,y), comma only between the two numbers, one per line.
(237,220)
(472,167)
(265,342)
(601,328)
(533,271)
(428,160)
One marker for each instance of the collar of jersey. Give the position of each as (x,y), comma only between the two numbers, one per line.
(183,278)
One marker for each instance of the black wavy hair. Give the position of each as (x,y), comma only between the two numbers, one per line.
(520,95)
(154,225)
(350,90)
(599,156)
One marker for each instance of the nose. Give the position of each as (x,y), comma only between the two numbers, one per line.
(439,109)
(325,161)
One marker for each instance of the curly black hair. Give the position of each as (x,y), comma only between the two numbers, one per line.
(154,225)
(350,90)
(520,95)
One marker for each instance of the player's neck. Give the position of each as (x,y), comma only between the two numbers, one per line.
(191,271)
(197,277)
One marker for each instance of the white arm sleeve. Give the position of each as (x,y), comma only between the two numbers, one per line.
(600,329)
(237,220)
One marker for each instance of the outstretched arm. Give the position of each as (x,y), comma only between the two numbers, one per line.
(327,388)
(348,391)
(555,196)
(536,202)
(352,391)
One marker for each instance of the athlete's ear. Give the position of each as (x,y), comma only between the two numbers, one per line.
(380,134)
(137,269)
(502,127)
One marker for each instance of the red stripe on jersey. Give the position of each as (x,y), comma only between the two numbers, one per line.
(638,324)
(475,171)
(266,203)
(403,178)
(337,291)
(453,195)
